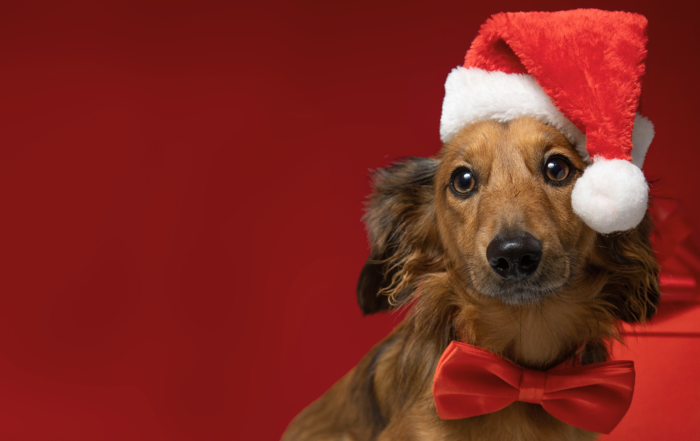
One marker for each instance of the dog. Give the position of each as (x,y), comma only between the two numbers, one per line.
(482,244)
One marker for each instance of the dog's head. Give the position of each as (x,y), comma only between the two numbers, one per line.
(493,210)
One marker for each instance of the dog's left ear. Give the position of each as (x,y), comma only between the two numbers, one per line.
(633,287)
(402,231)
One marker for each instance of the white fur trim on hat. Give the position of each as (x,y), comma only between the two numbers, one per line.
(612,195)
(642,135)
(476,95)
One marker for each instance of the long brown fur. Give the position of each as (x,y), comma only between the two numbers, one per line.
(428,253)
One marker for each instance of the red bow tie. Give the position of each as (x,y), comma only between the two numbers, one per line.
(471,381)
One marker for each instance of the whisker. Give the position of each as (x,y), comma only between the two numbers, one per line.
(540,307)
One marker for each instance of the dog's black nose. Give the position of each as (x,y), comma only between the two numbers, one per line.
(514,256)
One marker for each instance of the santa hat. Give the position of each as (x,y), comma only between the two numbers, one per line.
(579,72)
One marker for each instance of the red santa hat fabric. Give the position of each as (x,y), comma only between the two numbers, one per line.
(580,72)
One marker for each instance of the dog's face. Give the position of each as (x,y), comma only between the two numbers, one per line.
(493,212)
(503,205)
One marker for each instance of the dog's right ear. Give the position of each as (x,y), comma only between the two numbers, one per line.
(373,279)
(401,226)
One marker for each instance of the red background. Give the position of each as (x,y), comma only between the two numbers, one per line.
(181,186)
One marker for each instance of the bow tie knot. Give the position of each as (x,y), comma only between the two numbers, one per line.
(532,386)
(471,381)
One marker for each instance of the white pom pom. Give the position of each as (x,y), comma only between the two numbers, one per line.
(612,195)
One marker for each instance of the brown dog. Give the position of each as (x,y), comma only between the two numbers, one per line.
(483,243)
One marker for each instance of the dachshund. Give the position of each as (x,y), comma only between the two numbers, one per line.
(483,247)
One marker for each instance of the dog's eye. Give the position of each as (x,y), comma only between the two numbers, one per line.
(557,169)
(463,181)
